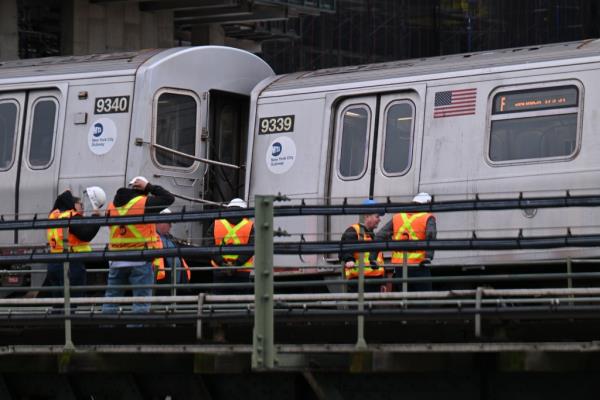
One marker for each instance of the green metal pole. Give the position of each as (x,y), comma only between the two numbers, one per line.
(263,344)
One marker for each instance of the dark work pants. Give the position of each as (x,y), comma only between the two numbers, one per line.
(77,277)
(414,272)
(224,277)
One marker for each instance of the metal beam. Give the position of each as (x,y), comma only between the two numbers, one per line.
(217,12)
(186,4)
(257,14)
(325,348)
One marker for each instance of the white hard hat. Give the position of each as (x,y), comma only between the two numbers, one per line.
(165,211)
(237,202)
(97,196)
(422,198)
(136,178)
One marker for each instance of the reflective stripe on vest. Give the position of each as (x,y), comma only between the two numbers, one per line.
(352,272)
(131,237)
(159,264)
(226,234)
(55,235)
(408,226)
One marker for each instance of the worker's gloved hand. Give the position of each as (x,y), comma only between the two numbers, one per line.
(425,262)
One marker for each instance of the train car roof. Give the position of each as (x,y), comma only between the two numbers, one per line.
(117,63)
(443,66)
(97,65)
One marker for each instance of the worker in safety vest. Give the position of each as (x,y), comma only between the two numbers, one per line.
(229,232)
(371,260)
(412,226)
(164,266)
(141,197)
(78,238)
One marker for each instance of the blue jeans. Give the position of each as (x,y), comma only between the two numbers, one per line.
(77,277)
(135,275)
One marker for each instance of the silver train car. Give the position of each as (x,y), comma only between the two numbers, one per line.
(493,124)
(73,122)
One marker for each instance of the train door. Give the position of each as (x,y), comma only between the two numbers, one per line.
(11,119)
(375,152)
(228,127)
(29,127)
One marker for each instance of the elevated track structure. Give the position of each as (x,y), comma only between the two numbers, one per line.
(479,330)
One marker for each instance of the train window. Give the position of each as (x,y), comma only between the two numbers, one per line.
(176,116)
(353,149)
(43,129)
(8,128)
(398,138)
(534,124)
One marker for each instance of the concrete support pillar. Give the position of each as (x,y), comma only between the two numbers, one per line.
(112,27)
(9,36)
(208,34)
(215,35)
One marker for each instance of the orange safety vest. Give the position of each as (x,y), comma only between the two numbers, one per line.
(56,239)
(132,237)
(159,264)
(409,226)
(226,234)
(352,272)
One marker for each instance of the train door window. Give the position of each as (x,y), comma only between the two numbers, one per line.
(534,124)
(354,142)
(397,151)
(43,131)
(228,142)
(8,130)
(176,123)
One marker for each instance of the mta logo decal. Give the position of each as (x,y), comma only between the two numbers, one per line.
(98,129)
(277,148)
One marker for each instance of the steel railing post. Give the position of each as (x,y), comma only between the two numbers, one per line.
(67,294)
(173,275)
(263,343)
(361,343)
(404,271)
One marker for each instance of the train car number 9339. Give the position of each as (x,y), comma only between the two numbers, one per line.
(110,105)
(280,124)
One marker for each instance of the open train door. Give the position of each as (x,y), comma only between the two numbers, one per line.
(376,151)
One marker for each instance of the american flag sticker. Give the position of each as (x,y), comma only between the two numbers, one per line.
(454,103)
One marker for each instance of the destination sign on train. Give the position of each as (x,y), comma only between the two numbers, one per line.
(535,99)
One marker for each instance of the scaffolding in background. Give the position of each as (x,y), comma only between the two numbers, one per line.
(368,31)
(301,35)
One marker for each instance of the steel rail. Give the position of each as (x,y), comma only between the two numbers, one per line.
(329,348)
(249,298)
(304,210)
(541,242)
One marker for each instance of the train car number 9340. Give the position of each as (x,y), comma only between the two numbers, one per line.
(110,105)
(280,124)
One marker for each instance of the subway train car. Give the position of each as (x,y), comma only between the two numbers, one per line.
(73,122)
(494,124)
